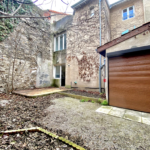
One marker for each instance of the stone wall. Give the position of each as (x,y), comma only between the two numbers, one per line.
(146,4)
(118,25)
(83,38)
(25,56)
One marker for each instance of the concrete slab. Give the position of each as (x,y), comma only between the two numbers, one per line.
(39,92)
(133,115)
(146,118)
(126,114)
(118,112)
(104,109)
(4,102)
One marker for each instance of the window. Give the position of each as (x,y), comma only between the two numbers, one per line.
(92,12)
(128,13)
(57,72)
(60,42)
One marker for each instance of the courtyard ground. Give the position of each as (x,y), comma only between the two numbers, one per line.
(77,121)
(99,131)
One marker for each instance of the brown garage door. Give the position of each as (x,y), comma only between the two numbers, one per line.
(129,81)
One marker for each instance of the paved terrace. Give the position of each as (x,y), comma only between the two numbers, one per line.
(39,92)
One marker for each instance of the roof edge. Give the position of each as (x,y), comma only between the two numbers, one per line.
(117,3)
(76,5)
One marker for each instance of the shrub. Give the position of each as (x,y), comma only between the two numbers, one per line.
(104,102)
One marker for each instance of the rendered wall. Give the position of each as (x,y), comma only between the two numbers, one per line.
(118,25)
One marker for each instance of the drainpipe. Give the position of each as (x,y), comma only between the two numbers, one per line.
(100,45)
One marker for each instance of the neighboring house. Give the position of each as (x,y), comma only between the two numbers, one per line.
(55,15)
(128,60)
(125,15)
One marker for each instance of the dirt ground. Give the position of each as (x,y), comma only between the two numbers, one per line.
(99,131)
(94,94)
(31,141)
(18,112)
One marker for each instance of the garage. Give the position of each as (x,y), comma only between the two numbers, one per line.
(129,81)
(128,69)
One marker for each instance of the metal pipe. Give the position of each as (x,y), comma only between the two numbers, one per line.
(100,45)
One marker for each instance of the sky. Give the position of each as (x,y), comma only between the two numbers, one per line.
(60,5)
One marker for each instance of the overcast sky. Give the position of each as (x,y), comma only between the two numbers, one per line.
(60,5)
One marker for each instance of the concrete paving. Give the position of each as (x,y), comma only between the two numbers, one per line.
(39,92)
(125,114)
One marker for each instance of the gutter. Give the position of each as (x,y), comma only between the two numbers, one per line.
(100,45)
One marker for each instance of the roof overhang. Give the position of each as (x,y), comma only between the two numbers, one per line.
(82,2)
(130,34)
(117,3)
(78,4)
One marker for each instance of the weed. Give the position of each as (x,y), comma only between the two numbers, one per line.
(104,102)
(93,101)
(82,100)
(86,100)
(99,100)
(101,93)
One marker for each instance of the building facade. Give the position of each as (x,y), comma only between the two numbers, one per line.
(68,53)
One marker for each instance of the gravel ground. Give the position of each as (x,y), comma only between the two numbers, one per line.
(22,112)
(31,141)
(86,93)
(99,131)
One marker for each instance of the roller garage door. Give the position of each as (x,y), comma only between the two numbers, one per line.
(129,81)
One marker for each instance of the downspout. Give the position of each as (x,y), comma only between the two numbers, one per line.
(100,59)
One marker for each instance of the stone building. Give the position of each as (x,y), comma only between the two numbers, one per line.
(64,48)
(81,67)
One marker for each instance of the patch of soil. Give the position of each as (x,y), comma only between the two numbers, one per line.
(24,112)
(87,93)
(31,141)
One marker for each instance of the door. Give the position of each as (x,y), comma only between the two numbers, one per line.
(129,81)
(63,76)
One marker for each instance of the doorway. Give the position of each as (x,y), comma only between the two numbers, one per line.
(63,75)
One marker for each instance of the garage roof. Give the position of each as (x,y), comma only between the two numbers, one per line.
(124,37)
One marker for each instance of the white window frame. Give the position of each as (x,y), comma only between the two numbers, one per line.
(54,72)
(128,13)
(59,42)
